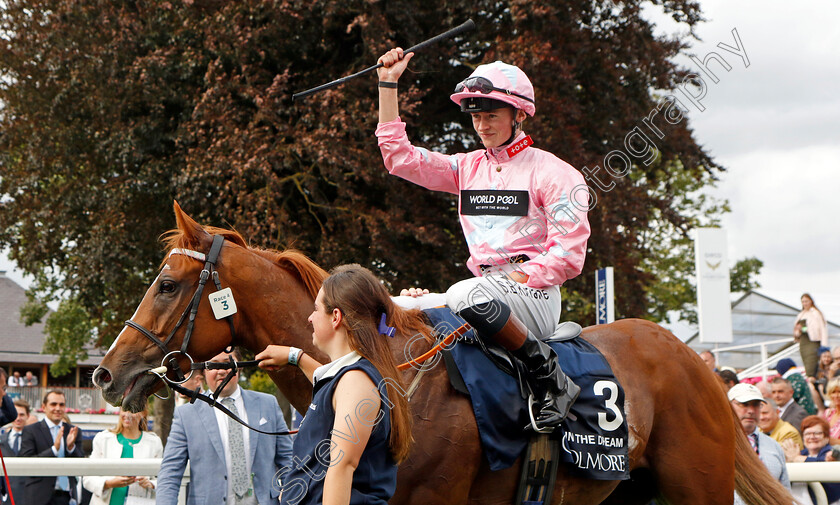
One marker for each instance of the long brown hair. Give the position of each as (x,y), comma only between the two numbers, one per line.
(806,295)
(362,300)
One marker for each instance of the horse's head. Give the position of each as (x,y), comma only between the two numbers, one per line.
(124,375)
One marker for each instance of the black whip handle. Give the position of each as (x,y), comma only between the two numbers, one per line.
(463,27)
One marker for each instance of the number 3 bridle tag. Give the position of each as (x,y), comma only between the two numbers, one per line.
(222,303)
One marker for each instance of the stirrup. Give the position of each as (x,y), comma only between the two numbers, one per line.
(545,430)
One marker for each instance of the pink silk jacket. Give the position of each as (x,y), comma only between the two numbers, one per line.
(513,201)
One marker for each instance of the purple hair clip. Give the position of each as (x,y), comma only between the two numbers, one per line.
(384,329)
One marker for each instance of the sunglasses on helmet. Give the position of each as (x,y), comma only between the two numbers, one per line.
(483,85)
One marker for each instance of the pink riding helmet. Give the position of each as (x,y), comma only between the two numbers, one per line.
(506,78)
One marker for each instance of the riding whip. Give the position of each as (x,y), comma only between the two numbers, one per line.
(464,27)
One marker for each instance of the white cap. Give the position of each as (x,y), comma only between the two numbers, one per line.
(744,393)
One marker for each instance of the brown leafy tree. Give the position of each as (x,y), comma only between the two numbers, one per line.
(110,110)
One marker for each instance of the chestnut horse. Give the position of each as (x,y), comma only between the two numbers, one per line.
(685,443)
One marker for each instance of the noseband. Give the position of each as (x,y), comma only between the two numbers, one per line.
(169,359)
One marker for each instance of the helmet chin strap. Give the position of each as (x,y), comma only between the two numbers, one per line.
(515,129)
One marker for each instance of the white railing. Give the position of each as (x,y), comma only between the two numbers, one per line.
(83,399)
(761,367)
(77,467)
(812,473)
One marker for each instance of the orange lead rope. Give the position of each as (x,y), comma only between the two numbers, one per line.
(434,350)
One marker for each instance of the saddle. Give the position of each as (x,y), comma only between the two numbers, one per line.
(592,440)
(502,358)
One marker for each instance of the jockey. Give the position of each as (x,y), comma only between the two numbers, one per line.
(523,213)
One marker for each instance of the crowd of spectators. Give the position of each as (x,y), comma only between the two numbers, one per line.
(54,436)
(799,407)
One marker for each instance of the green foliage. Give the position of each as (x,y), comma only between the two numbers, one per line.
(34,310)
(68,330)
(742,275)
(668,238)
(260,381)
(110,110)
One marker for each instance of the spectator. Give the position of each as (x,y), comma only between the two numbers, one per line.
(765,388)
(817,448)
(773,426)
(821,378)
(811,325)
(228,462)
(15,380)
(129,439)
(801,392)
(350,324)
(824,362)
(29,380)
(8,413)
(50,438)
(728,377)
(832,413)
(196,380)
(789,410)
(746,401)
(709,359)
(10,445)
(834,369)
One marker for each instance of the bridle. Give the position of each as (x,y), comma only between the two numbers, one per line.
(169,357)
(169,361)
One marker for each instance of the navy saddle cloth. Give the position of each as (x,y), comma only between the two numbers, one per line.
(594,436)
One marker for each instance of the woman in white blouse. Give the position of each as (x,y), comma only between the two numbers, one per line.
(128,440)
(811,325)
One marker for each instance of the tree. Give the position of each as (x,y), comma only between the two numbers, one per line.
(742,275)
(112,110)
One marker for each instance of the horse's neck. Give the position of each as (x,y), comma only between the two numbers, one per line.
(275,311)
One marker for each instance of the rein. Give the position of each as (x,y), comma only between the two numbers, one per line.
(195,394)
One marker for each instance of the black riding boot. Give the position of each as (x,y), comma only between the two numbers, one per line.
(554,390)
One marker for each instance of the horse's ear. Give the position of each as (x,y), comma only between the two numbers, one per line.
(193,232)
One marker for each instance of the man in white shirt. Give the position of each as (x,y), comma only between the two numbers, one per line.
(15,380)
(229,463)
(10,444)
(746,401)
(51,437)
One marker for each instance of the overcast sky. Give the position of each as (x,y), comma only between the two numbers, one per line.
(775,126)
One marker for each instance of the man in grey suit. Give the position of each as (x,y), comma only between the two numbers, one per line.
(229,464)
(789,410)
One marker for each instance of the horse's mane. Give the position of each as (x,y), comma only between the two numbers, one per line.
(291,260)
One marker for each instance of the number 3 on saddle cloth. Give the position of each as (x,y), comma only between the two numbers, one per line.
(593,436)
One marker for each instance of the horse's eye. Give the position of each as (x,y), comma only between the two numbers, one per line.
(167,287)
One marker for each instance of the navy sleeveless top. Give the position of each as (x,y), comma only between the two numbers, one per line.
(374,480)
